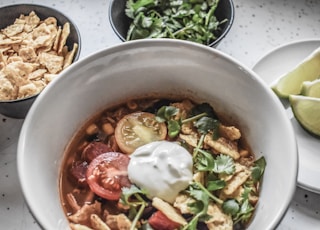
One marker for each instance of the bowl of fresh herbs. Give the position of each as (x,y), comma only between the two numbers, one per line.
(202,21)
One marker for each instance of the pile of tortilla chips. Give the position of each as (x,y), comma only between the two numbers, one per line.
(32,53)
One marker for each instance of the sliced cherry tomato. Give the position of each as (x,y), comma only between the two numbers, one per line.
(159,221)
(107,174)
(137,129)
(94,149)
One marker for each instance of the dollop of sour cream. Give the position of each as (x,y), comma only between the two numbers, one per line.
(161,168)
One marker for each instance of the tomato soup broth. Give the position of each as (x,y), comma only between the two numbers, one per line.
(158,163)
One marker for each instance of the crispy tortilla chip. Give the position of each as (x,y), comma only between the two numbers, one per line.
(168,210)
(28,90)
(48,77)
(3,59)
(42,36)
(40,84)
(97,223)
(37,74)
(69,56)
(51,21)
(32,20)
(57,39)
(21,68)
(13,29)
(7,90)
(64,35)
(53,63)
(28,54)
(14,59)
(9,42)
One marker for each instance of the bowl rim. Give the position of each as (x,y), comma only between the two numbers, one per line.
(76,57)
(212,44)
(130,44)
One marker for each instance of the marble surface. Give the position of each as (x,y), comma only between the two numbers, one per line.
(259,26)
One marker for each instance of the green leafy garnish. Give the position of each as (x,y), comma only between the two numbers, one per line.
(200,207)
(133,198)
(168,113)
(205,124)
(179,19)
(216,185)
(204,108)
(174,128)
(258,169)
(165,113)
(134,7)
(204,161)
(231,207)
(212,168)
(224,164)
(245,212)
(241,211)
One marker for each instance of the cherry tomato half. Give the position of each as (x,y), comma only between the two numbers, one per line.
(137,129)
(107,174)
(159,221)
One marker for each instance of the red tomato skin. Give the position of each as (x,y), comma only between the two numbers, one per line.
(95,149)
(112,163)
(159,221)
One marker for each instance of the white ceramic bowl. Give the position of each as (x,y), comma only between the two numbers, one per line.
(163,66)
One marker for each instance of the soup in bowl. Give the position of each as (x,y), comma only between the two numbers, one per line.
(82,144)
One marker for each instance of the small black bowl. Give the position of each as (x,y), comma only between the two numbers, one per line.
(20,107)
(120,22)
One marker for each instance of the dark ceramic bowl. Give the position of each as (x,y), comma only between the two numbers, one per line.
(120,22)
(19,108)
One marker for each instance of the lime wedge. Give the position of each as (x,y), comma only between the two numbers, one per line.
(307,70)
(311,88)
(307,112)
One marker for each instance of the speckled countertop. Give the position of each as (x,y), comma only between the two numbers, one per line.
(259,26)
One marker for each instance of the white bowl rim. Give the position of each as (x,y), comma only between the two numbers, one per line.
(156,42)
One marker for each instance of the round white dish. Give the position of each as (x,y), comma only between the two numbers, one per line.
(269,68)
(161,67)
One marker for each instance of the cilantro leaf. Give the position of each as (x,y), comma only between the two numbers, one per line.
(128,193)
(216,185)
(174,128)
(133,197)
(240,212)
(258,169)
(204,161)
(205,124)
(231,207)
(165,113)
(199,207)
(246,193)
(224,164)
(245,212)
(204,108)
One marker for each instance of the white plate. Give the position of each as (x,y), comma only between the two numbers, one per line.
(269,68)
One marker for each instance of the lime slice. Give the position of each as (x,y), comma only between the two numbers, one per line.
(307,70)
(307,112)
(311,88)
